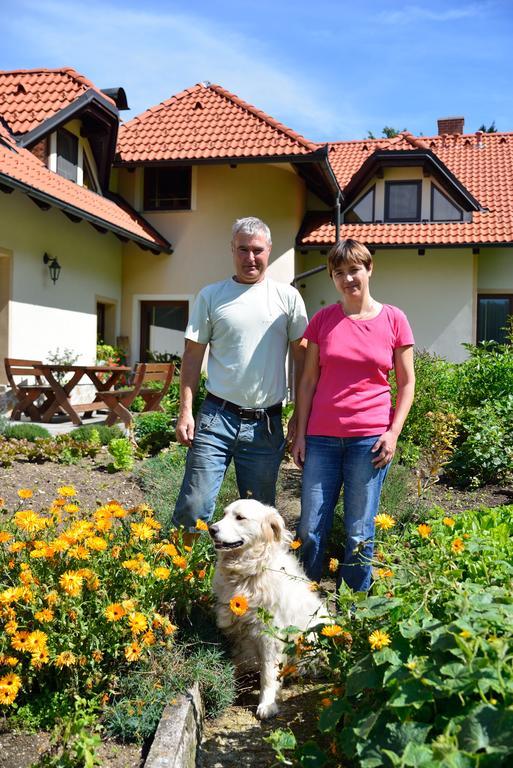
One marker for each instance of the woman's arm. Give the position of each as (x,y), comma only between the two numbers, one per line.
(405,377)
(304,398)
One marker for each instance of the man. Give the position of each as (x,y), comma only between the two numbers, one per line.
(249,321)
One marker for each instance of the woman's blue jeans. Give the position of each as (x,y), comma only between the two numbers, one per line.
(330,463)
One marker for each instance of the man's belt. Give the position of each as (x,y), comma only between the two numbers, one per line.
(245,413)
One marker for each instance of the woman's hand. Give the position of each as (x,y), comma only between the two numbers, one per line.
(384,448)
(299,451)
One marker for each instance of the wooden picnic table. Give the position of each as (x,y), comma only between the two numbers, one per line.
(103,377)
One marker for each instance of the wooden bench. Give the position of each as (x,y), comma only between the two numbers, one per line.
(26,394)
(144,373)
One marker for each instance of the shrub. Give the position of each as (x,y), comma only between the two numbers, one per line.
(106,434)
(26,431)
(419,673)
(122,452)
(153,431)
(485,454)
(486,375)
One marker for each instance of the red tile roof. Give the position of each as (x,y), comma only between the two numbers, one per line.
(28,97)
(483,165)
(206,122)
(20,169)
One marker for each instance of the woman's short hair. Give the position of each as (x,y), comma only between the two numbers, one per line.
(250,225)
(349,252)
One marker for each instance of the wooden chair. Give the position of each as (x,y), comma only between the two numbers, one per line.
(144,373)
(26,394)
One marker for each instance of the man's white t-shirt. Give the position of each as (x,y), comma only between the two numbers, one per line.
(248,328)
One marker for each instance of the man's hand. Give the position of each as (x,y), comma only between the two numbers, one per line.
(185,428)
(384,448)
(291,429)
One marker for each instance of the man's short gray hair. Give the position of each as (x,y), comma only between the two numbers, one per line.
(250,225)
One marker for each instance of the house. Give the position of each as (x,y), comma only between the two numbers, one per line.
(138,215)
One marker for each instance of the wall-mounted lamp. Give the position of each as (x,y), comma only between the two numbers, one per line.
(53,266)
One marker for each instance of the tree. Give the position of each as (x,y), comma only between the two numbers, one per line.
(388,132)
(491,128)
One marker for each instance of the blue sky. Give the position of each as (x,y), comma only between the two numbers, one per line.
(329,69)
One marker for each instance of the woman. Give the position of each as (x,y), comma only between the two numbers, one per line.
(347,429)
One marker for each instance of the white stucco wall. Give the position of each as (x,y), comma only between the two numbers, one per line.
(44,316)
(495,270)
(437,291)
(201,237)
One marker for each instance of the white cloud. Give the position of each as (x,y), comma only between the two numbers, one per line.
(413,13)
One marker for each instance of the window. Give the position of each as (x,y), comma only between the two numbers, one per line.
(492,316)
(67,154)
(362,211)
(162,325)
(402,200)
(443,209)
(167,189)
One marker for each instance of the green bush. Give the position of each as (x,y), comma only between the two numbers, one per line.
(485,454)
(106,434)
(26,431)
(153,431)
(486,375)
(419,673)
(122,452)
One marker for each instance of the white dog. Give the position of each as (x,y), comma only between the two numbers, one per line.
(255,561)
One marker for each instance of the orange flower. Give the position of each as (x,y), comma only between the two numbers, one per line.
(162,573)
(332,630)
(180,561)
(201,525)
(333,566)
(25,493)
(133,651)
(239,605)
(424,530)
(288,670)
(202,573)
(114,612)
(457,546)
(295,544)
(5,536)
(65,659)
(450,522)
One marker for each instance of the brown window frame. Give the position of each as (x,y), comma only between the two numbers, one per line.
(181,203)
(411,182)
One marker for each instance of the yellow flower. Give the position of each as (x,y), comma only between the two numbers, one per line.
(384,522)
(333,566)
(97,655)
(457,546)
(162,573)
(133,651)
(36,640)
(17,546)
(450,522)
(65,659)
(424,530)
(180,561)
(39,657)
(167,549)
(142,531)
(52,598)
(10,661)
(11,682)
(201,525)
(138,566)
(29,521)
(71,508)
(149,638)
(97,543)
(238,605)
(11,627)
(20,640)
(5,536)
(71,582)
(313,586)
(465,633)
(25,493)
(138,623)
(379,639)
(66,490)
(331,630)
(114,612)
(295,544)
(44,615)
(385,573)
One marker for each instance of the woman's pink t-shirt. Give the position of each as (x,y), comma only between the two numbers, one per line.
(352,398)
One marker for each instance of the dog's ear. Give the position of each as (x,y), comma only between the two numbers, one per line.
(272,527)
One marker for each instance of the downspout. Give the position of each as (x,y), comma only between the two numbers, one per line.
(337,219)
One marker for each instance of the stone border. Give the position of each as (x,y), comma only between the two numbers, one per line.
(178,735)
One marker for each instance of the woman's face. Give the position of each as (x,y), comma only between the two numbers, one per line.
(351,280)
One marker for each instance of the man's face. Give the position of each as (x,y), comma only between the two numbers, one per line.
(250,257)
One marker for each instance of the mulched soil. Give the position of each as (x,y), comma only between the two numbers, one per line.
(235,738)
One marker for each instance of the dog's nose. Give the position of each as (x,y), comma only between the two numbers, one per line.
(213,530)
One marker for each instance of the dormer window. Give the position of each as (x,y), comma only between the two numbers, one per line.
(362,211)
(67,154)
(403,200)
(443,209)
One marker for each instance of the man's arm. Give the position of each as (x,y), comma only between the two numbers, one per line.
(189,380)
(297,350)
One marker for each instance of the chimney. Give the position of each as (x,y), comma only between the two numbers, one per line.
(450,125)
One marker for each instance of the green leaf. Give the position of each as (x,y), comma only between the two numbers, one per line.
(419,756)
(331,715)
(363,675)
(411,694)
(311,756)
(281,740)
(488,729)
(375,607)
(387,655)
